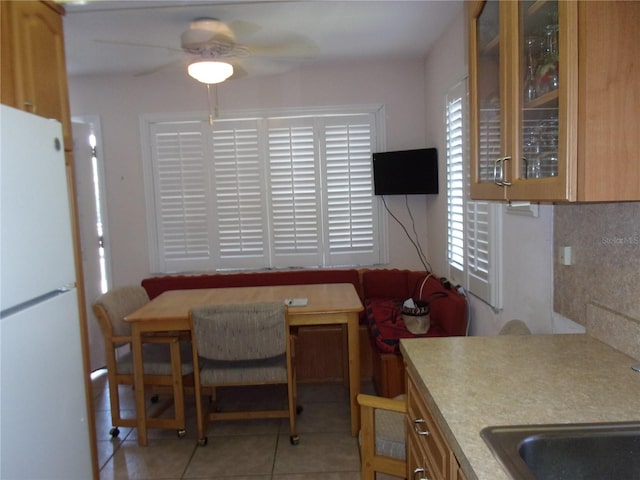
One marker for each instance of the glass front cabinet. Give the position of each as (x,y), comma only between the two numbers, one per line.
(547,89)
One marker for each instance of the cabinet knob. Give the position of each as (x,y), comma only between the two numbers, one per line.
(504,166)
(419,471)
(498,171)
(29,106)
(417,427)
(497,168)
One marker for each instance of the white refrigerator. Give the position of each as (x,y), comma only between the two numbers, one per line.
(43,413)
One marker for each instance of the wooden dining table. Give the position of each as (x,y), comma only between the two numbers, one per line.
(325,304)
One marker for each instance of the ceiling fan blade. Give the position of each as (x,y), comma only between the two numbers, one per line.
(257,66)
(290,50)
(242,29)
(196,36)
(238,71)
(299,47)
(166,66)
(134,44)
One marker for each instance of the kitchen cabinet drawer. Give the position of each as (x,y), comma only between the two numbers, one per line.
(417,459)
(427,434)
(456,470)
(429,455)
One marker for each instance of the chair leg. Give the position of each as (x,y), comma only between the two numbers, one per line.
(197,388)
(367,442)
(292,390)
(178,387)
(114,399)
(114,402)
(291,393)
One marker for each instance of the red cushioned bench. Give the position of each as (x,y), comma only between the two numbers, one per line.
(384,292)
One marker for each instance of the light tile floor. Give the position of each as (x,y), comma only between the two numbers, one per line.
(240,450)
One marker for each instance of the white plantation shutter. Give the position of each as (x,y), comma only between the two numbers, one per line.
(295,193)
(239,195)
(351,217)
(181,193)
(484,251)
(474,228)
(291,190)
(455,183)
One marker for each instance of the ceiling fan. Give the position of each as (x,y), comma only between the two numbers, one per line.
(215,43)
(213,54)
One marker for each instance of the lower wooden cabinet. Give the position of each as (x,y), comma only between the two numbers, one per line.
(429,456)
(321,354)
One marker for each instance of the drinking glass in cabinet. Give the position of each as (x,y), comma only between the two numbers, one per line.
(532,44)
(540,146)
(547,72)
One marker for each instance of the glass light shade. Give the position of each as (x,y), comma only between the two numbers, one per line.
(208,71)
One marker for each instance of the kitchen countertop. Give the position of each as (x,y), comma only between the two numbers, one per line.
(473,382)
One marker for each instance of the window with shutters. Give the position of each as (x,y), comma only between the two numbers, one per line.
(238,199)
(474,228)
(455,183)
(295,192)
(351,216)
(181,195)
(262,192)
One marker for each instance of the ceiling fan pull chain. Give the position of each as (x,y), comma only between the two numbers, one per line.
(213,106)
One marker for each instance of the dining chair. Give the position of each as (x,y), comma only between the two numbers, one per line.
(239,345)
(167,360)
(382,435)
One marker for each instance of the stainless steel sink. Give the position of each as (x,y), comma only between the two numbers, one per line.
(595,451)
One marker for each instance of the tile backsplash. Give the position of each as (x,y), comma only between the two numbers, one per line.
(619,331)
(605,271)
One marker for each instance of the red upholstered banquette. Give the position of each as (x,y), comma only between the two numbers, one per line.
(382,292)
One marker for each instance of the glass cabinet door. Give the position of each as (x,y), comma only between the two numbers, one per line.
(523,99)
(486,97)
(538,87)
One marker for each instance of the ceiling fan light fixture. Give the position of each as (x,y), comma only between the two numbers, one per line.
(210,71)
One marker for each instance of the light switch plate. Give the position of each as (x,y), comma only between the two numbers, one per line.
(565,255)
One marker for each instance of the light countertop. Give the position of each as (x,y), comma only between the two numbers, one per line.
(473,382)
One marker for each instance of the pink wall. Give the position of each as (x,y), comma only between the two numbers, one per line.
(119,100)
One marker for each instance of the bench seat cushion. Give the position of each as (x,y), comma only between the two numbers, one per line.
(157,285)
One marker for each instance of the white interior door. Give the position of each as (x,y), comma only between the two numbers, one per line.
(92,212)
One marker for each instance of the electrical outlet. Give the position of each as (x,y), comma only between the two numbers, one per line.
(565,256)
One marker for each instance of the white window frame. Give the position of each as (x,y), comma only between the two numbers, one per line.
(474,243)
(333,246)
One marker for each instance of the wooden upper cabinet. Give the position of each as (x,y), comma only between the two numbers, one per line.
(609,101)
(487,97)
(552,116)
(34,75)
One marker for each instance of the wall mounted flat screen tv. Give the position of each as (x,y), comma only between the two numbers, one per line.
(406,172)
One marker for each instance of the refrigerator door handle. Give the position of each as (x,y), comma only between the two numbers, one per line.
(34,301)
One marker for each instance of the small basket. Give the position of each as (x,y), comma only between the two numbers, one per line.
(417,319)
